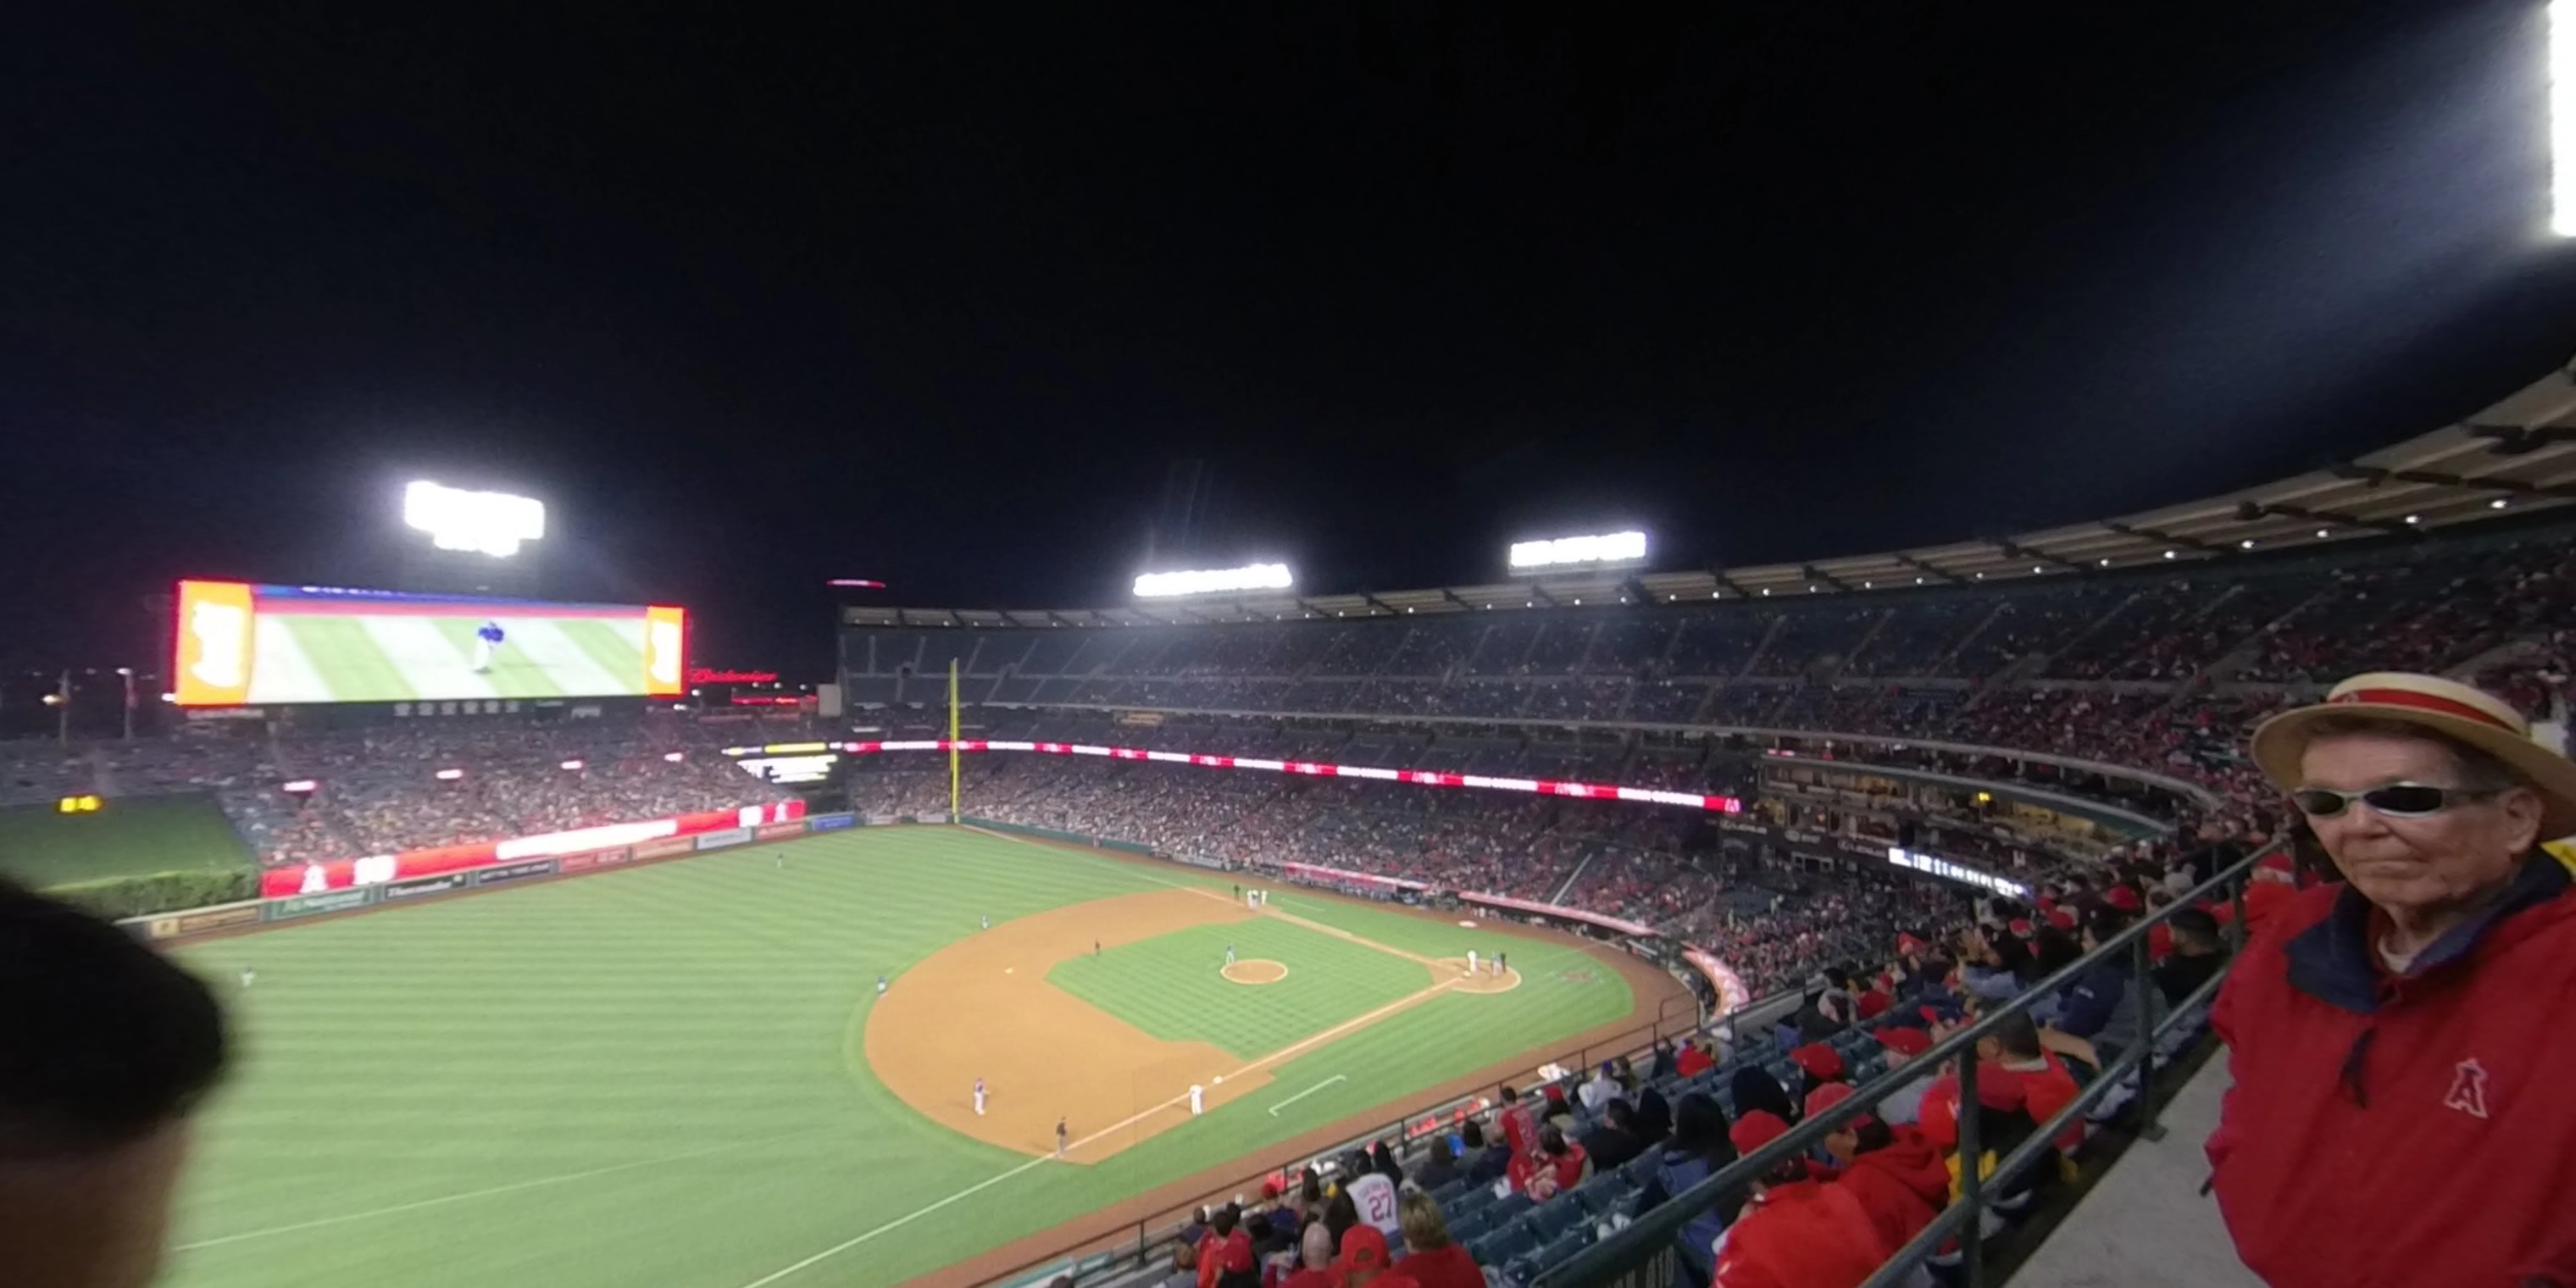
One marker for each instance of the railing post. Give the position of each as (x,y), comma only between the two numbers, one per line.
(1972,1180)
(2142,978)
(2236,923)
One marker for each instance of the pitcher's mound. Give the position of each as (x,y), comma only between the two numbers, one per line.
(1481,980)
(1256,971)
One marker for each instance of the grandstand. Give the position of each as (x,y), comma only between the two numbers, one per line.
(1894,737)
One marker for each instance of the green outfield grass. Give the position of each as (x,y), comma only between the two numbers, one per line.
(648,1077)
(129,836)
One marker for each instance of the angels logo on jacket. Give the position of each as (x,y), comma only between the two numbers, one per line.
(2468,1092)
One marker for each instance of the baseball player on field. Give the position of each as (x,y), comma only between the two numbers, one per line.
(979,1097)
(487,641)
(1229,954)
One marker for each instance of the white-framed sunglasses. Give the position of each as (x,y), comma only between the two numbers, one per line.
(2396,800)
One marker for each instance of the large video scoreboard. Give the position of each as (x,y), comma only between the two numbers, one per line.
(244,644)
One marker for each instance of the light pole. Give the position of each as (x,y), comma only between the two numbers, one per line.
(128,673)
(61,701)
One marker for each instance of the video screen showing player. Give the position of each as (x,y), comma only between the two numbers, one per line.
(249,644)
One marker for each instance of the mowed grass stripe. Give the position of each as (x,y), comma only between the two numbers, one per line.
(514,674)
(631,1017)
(347,659)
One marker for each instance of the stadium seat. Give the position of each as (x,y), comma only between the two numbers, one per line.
(1510,1206)
(1532,1264)
(1500,1247)
(1550,1220)
(1475,1198)
(1471,1226)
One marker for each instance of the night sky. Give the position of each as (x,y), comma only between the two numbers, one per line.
(1002,304)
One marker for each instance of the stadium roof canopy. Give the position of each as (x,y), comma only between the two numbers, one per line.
(2512,458)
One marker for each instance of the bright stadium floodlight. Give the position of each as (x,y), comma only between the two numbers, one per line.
(1599,548)
(1205,581)
(492,523)
(2562,117)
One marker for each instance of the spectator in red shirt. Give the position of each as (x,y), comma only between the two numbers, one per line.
(1431,1257)
(1900,1180)
(1519,1122)
(1315,1260)
(1796,1232)
(1557,1166)
(2402,1026)
(1364,1261)
(1693,1060)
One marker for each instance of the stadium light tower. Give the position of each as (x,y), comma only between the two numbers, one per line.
(1208,581)
(1598,550)
(479,542)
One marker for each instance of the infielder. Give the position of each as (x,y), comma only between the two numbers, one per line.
(1229,954)
(1062,1138)
(979,1097)
(880,985)
(487,640)
(988,921)
(249,977)
(1471,961)
(1198,1105)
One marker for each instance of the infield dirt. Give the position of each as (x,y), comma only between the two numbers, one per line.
(983,1008)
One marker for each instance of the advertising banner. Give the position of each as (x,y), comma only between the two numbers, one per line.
(205,919)
(339,874)
(719,840)
(308,905)
(664,849)
(597,859)
(831,822)
(1552,910)
(417,886)
(1317,872)
(780,831)
(514,871)
(1731,992)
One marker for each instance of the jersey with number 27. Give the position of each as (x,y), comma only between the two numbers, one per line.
(1374,1196)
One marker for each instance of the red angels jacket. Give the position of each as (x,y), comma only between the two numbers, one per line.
(2404,1130)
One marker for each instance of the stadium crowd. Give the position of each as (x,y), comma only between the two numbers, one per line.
(1524,1180)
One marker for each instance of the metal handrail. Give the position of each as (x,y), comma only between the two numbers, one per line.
(1644,1240)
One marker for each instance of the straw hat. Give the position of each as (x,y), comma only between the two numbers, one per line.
(2454,711)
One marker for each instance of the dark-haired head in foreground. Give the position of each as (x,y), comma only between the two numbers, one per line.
(105,1050)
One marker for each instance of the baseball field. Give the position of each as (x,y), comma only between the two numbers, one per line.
(684,1074)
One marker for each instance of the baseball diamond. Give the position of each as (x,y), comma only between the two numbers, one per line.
(684,1074)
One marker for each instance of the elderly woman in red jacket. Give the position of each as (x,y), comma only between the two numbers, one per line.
(2400,1041)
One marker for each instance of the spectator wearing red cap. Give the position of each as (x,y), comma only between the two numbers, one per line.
(2397,1115)
(2125,898)
(1820,1063)
(1796,1232)
(1898,1177)
(1904,1105)
(1364,1260)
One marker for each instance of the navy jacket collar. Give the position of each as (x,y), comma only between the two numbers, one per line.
(2332,961)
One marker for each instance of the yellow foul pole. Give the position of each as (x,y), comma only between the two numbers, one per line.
(954,810)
